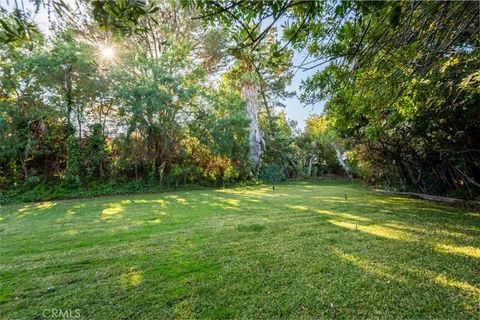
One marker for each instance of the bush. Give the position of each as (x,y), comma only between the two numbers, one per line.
(272,173)
(44,191)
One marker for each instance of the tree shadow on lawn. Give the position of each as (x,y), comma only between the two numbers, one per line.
(251,254)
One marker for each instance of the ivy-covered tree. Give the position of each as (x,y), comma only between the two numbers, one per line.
(96,153)
(73,170)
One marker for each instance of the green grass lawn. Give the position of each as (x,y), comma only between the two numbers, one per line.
(302,251)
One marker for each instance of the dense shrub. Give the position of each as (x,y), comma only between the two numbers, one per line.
(272,173)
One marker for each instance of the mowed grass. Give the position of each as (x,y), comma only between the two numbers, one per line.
(302,251)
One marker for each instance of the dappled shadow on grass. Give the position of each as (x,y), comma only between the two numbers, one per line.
(302,251)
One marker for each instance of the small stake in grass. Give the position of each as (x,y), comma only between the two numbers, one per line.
(356,226)
(334,310)
(345,196)
(273,188)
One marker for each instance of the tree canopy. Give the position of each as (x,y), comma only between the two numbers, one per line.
(191,92)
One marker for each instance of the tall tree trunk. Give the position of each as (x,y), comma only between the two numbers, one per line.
(267,108)
(255,139)
(339,155)
(68,92)
(79,123)
(310,164)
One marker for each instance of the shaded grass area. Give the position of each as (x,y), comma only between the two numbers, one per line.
(58,191)
(302,251)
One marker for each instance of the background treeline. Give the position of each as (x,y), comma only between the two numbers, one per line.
(400,79)
(85,110)
(404,92)
(191,93)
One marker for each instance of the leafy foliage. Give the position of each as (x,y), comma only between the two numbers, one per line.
(73,170)
(272,173)
(398,79)
(180,101)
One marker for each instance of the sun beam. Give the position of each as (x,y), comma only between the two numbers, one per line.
(107,53)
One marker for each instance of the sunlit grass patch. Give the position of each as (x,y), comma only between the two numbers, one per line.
(463,250)
(132,278)
(112,211)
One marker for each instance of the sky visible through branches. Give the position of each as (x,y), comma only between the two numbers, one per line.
(294,109)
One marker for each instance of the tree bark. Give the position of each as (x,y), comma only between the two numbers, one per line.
(310,164)
(339,155)
(256,143)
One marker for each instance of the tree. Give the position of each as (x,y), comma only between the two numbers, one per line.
(73,170)
(261,74)
(71,80)
(374,61)
(96,153)
(31,133)
(318,147)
